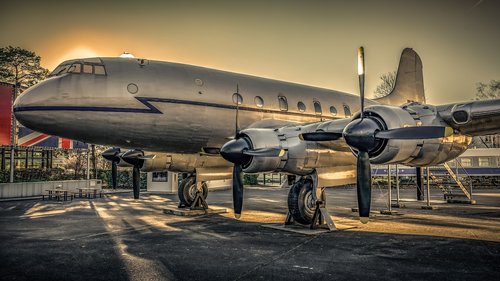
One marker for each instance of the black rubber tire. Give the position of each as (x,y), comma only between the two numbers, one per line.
(180,191)
(297,197)
(184,193)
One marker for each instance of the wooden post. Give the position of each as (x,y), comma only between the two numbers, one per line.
(26,158)
(43,159)
(428,186)
(397,185)
(389,187)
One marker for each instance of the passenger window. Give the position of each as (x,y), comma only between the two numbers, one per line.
(466,162)
(259,102)
(484,162)
(347,111)
(301,106)
(87,68)
(317,108)
(333,110)
(99,70)
(237,98)
(75,68)
(283,103)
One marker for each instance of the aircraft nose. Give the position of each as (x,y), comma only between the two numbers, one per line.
(31,100)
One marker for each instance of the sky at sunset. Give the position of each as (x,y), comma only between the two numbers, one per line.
(308,42)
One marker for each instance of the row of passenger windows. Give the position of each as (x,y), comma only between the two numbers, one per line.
(283,104)
(481,162)
(79,68)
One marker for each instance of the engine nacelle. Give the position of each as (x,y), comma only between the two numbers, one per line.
(186,163)
(300,157)
(424,152)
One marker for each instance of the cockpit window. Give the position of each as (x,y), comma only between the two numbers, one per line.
(75,68)
(99,70)
(87,66)
(60,70)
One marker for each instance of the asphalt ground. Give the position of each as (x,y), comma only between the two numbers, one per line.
(118,238)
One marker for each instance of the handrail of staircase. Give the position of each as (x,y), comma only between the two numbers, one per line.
(469,178)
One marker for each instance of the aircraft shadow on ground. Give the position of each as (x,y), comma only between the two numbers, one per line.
(82,243)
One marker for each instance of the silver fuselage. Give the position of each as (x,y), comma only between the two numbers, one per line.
(167,107)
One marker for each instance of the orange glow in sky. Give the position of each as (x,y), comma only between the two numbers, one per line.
(78,52)
(307,42)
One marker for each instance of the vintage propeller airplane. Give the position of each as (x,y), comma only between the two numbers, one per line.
(184,116)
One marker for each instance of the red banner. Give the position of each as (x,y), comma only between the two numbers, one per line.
(27,137)
(5,112)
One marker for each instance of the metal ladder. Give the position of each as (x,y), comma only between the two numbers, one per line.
(445,189)
(454,176)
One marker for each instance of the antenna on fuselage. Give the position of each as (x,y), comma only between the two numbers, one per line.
(126,55)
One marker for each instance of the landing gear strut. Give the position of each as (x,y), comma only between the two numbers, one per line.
(192,194)
(304,209)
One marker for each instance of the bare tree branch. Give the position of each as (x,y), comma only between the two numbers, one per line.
(488,91)
(387,84)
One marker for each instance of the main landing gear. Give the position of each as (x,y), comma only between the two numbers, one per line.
(192,194)
(306,207)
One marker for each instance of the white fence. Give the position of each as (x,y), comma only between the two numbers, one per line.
(31,189)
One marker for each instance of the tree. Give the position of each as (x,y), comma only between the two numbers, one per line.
(488,91)
(388,83)
(23,66)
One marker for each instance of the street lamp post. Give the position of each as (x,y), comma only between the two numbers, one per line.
(13,129)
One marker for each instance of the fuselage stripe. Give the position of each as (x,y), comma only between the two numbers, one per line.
(152,109)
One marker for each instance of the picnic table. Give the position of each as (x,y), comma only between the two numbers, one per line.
(89,192)
(57,194)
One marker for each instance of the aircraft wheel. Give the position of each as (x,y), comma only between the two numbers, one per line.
(301,204)
(187,190)
(180,191)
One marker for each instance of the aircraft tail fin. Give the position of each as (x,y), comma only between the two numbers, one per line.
(409,86)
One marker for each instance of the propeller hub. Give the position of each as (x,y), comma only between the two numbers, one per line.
(233,150)
(360,134)
(133,157)
(111,154)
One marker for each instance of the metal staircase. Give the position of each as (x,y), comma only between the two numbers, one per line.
(459,188)
(444,188)
(454,176)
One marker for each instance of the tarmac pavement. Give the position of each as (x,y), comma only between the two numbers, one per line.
(119,238)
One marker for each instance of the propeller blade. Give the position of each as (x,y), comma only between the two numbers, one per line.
(237,120)
(364,186)
(265,152)
(361,75)
(136,181)
(417,132)
(320,136)
(113,173)
(237,191)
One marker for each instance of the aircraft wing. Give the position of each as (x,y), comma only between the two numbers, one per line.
(271,124)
